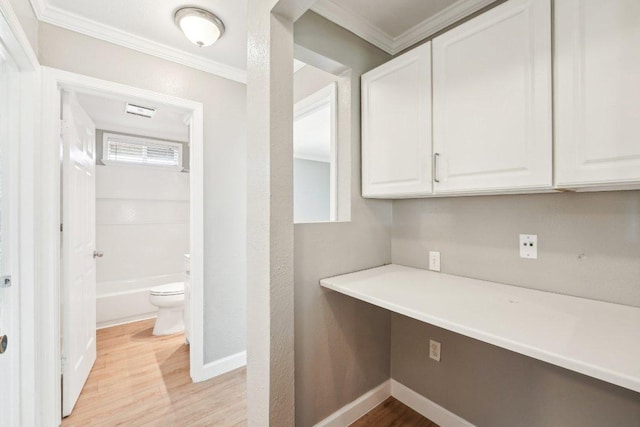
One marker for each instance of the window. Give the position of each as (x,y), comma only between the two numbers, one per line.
(121,149)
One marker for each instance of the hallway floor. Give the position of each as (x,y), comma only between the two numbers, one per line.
(142,380)
(392,413)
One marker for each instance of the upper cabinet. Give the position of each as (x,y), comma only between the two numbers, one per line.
(396,127)
(490,114)
(492,101)
(597,96)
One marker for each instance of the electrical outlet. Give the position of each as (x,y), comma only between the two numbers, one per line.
(434,261)
(529,246)
(434,350)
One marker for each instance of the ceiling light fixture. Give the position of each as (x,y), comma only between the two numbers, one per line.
(200,26)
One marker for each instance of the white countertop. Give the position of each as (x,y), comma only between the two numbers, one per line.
(595,338)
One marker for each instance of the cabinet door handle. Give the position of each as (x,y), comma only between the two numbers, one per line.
(436,171)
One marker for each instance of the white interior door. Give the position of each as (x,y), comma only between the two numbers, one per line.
(9,301)
(78,246)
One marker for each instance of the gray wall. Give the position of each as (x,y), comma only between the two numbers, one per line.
(225,165)
(589,246)
(311,190)
(341,344)
(308,80)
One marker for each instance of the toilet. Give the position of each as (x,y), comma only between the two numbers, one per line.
(169,299)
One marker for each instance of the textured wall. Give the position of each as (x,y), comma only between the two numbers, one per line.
(224,172)
(341,345)
(589,246)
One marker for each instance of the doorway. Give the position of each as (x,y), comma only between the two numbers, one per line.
(126,156)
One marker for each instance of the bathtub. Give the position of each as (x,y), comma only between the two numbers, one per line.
(127,301)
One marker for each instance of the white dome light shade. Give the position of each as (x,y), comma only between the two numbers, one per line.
(200,26)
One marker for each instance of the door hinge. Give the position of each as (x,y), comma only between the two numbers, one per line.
(61,228)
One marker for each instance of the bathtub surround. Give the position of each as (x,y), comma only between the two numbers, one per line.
(142,226)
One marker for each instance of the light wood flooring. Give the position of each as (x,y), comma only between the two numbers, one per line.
(142,380)
(392,413)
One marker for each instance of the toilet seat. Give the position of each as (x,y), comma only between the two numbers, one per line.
(176,288)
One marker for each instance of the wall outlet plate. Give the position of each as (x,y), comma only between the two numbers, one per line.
(434,350)
(434,261)
(529,246)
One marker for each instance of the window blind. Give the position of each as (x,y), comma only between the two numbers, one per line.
(143,152)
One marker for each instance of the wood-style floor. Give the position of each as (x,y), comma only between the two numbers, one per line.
(142,380)
(392,413)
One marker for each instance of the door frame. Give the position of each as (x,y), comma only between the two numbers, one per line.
(49,194)
(23,380)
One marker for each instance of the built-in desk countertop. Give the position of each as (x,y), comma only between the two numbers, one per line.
(595,338)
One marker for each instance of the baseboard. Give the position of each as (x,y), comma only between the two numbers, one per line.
(126,320)
(351,412)
(426,407)
(219,367)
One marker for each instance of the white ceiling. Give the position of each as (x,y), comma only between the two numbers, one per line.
(108,114)
(147,25)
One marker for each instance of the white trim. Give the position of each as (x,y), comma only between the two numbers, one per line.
(426,407)
(393,45)
(325,96)
(47,196)
(196,235)
(353,411)
(441,20)
(355,23)
(220,366)
(16,40)
(24,384)
(74,22)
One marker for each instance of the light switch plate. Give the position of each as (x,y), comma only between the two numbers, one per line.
(529,246)
(434,261)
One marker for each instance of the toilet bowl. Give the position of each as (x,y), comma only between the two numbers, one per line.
(169,299)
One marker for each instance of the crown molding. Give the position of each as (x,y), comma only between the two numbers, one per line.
(355,23)
(71,21)
(393,45)
(441,20)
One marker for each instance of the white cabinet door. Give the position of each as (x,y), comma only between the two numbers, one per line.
(597,93)
(492,101)
(396,127)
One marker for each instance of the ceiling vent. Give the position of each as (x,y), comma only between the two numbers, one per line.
(140,111)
